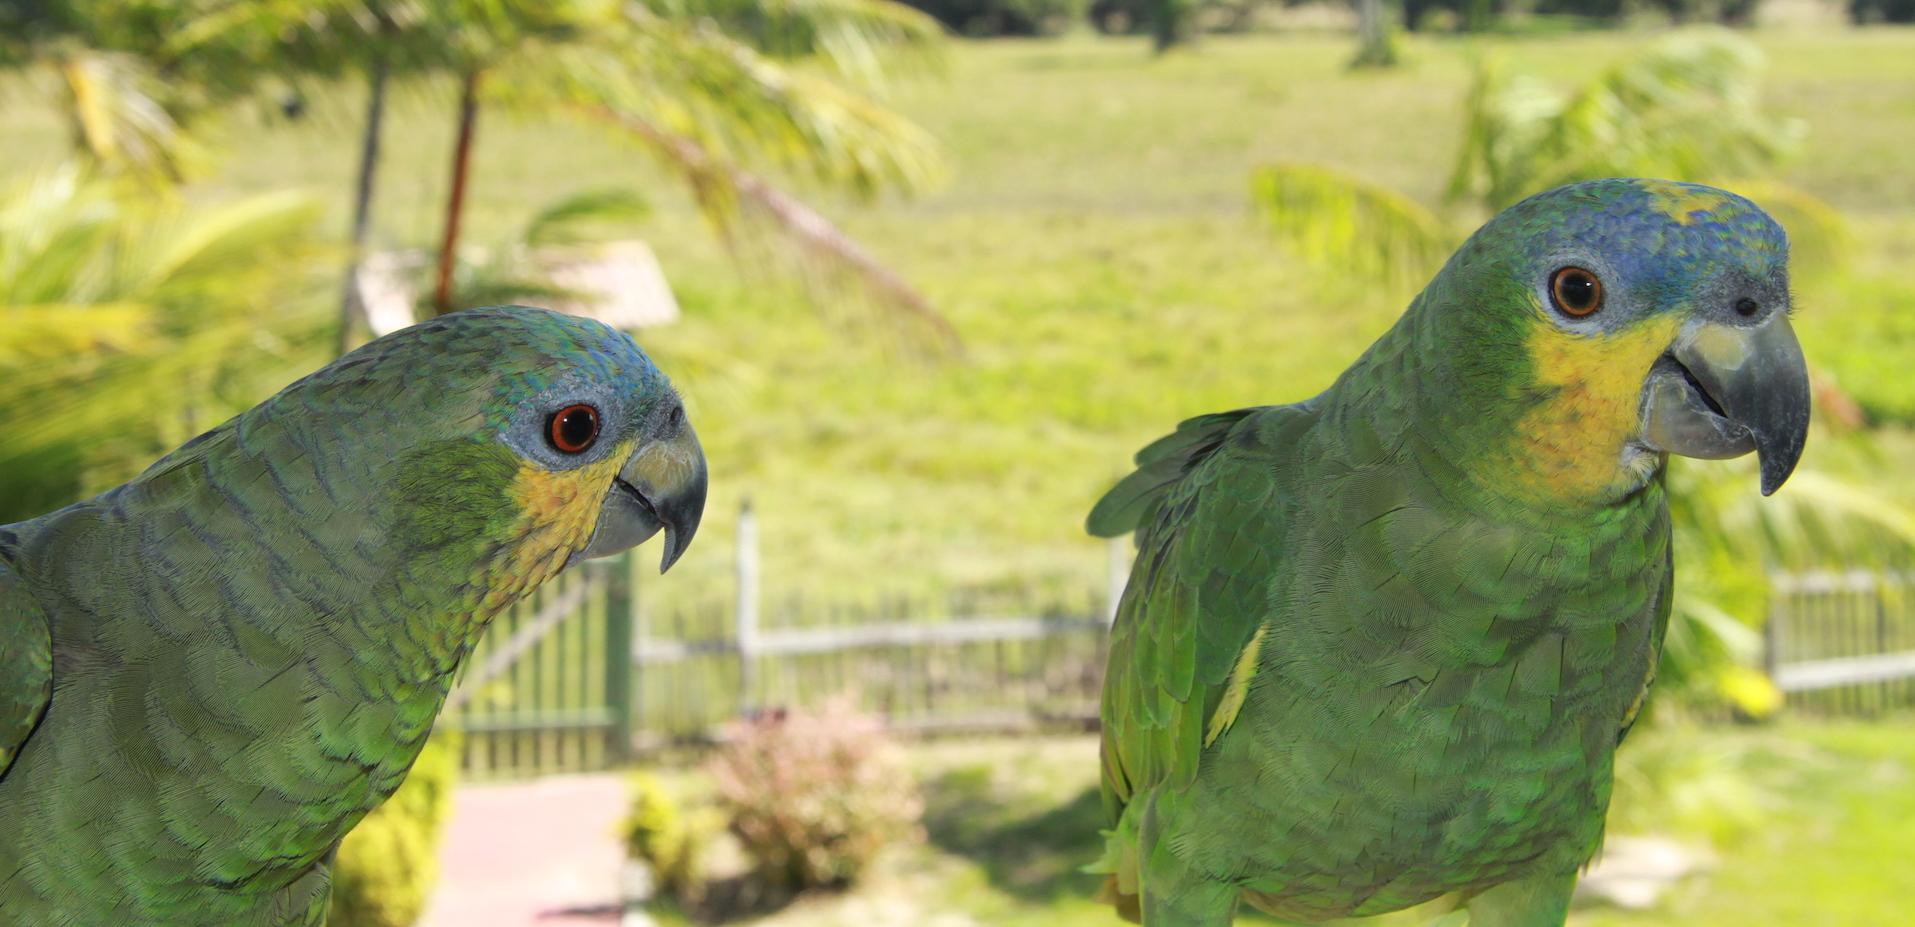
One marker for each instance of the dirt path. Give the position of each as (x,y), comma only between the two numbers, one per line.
(542,853)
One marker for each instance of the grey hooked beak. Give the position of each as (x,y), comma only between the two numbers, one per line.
(662,486)
(1725,390)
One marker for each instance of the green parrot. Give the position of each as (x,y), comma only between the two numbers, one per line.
(210,674)
(1378,647)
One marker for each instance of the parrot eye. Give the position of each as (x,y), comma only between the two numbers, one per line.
(573,428)
(1575,291)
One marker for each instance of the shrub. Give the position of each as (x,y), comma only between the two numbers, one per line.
(669,837)
(388,864)
(813,797)
(1003,17)
(1863,12)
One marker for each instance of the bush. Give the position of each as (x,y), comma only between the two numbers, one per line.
(388,864)
(1003,17)
(668,837)
(813,797)
(1864,12)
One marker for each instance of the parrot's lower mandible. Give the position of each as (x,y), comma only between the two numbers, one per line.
(1379,647)
(210,674)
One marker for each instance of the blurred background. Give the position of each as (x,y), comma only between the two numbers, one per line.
(927,275)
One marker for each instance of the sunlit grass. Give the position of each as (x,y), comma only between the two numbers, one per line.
(1096,249)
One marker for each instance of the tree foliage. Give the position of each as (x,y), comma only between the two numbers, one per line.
(756,88)
(129,322)
(1689,107)
(1330,218)
(1014,17)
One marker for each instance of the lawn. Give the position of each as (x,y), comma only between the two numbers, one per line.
(1096,248)
(1806,824)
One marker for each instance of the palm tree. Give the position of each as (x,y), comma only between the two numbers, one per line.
(705,85)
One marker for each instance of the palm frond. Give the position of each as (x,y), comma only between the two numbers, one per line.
(128,321)
(570,219)
(1688,108)
(729,193)
(865,40)
(736,104)
(119,117)
(1338,221)
(710,106)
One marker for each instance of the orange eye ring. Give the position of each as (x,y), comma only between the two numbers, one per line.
(573,428)
(1575,292)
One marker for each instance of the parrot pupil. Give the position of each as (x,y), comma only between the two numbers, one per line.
(574,428)
(1575,291)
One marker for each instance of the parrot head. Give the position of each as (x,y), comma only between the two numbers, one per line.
(534,438)
(1613,322)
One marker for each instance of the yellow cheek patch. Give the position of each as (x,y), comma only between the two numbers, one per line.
(1683,203)
(558,512)
(1571,444)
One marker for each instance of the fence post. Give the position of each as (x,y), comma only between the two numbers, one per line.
(747,603)
(621,603)
(1119,574)
(1781,587)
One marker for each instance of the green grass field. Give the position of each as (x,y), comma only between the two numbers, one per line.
(1096,248)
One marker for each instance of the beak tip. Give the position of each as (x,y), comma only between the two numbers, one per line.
(1773,478)
(1778,464)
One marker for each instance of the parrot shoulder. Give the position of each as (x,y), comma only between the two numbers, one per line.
(1160,466)
(26,659)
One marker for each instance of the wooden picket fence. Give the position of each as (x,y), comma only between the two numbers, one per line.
(581,676)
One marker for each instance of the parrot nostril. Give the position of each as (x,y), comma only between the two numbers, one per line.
(1746,307)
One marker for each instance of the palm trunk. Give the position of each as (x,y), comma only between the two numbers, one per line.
(351,307)
(1373,36)
(455,199)
(1169,24)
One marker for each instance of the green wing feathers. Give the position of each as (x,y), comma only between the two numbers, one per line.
(1201,502)
(1160,466)
(26,664)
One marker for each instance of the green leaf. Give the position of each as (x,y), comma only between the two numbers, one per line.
(569,220)
(1342,223)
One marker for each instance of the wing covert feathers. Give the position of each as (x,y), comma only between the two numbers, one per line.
(26,665)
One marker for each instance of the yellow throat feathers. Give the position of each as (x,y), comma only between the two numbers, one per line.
(1571,444)
(558,510)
